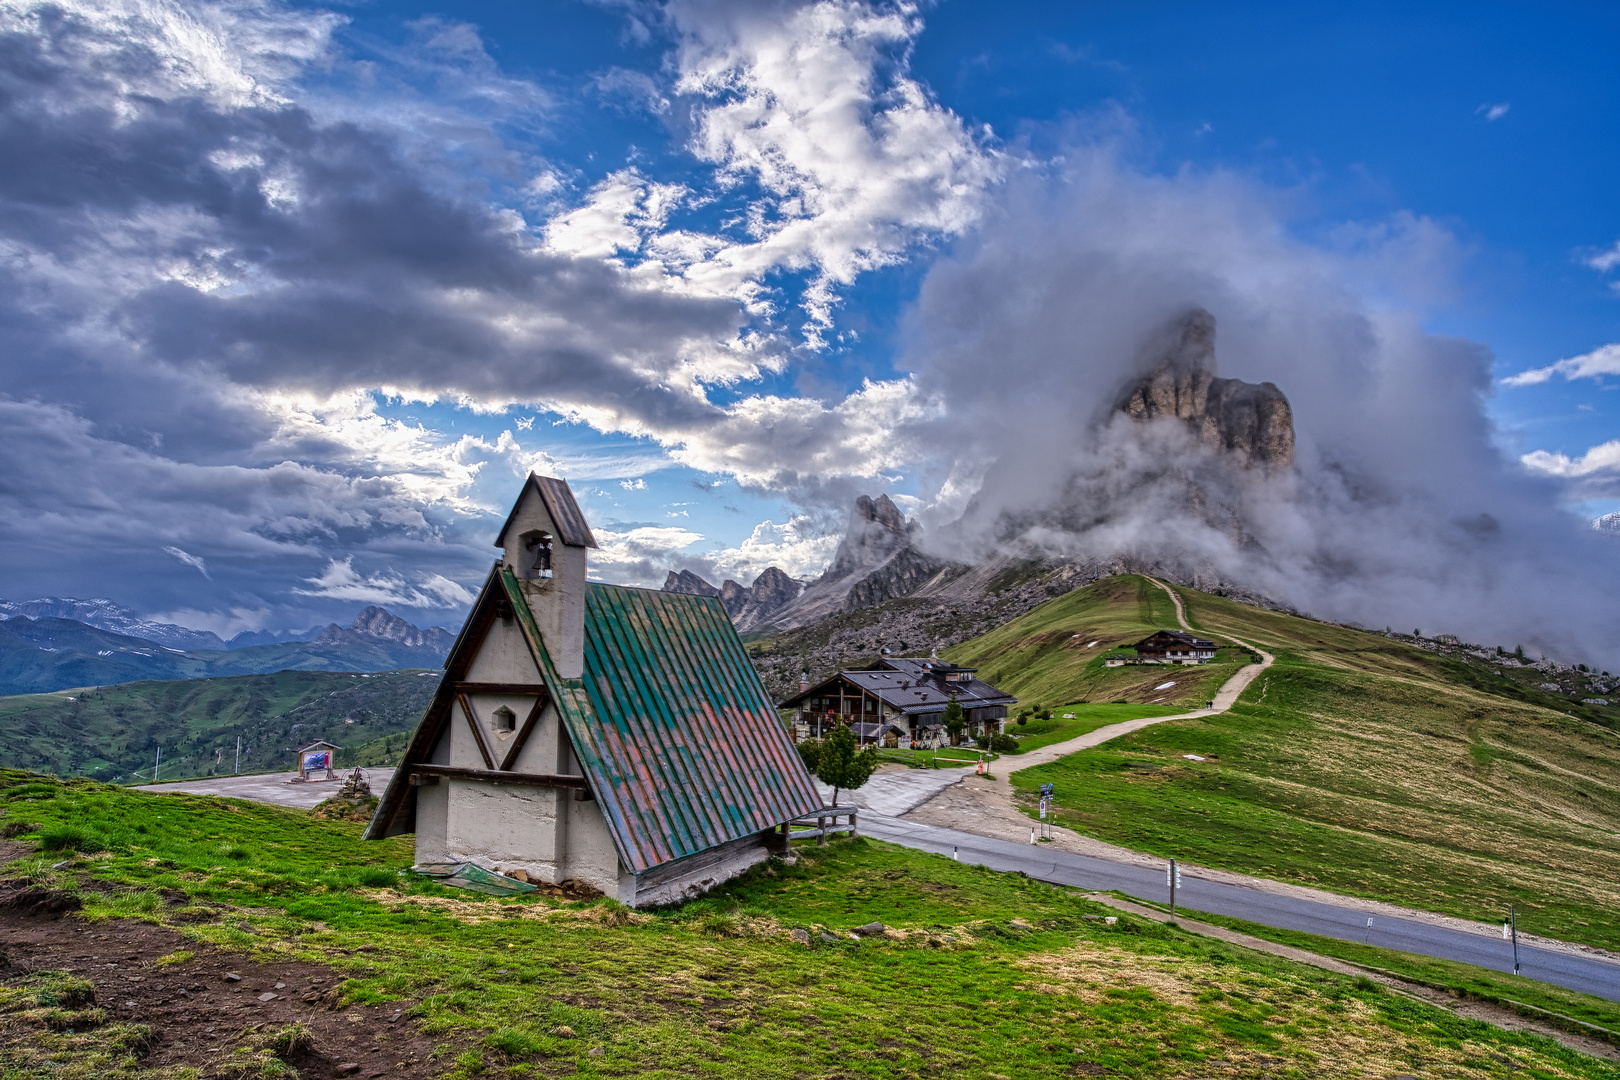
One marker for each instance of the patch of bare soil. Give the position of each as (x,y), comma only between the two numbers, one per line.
(201,1010)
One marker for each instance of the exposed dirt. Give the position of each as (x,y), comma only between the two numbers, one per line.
(197,1013)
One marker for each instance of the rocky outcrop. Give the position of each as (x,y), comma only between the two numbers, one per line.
(877,560)
(377,623)
(750,607)
(1251,421)
(690,584)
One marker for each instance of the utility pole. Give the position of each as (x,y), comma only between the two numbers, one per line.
(155,762)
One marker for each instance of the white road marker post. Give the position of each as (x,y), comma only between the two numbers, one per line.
(1513,922)
(1172,876)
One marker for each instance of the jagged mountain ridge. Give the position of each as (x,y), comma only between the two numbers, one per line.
(750,607)
(48,654)
(875,561)
(1250,420)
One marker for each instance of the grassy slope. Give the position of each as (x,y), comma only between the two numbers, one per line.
(990,975)
(1367,766)
(113,732)
(1043,656)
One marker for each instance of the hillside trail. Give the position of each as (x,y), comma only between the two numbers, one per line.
(985,805)
(1225,698)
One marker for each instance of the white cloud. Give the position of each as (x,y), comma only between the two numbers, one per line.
(851,161)
(194,561)
(340,581)
(1603,458)
(1604,360)
(796,546)
(1604,261)
(638,484)
(639,555)
(1493,112)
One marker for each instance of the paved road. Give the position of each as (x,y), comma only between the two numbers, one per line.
(1589,974)
(277,788)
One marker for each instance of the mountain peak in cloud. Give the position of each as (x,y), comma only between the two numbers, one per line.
(1251,420)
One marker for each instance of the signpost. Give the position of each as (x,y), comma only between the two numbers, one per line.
(1172,878)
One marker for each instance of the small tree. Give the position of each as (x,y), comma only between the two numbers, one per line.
(954,723)
(840,765)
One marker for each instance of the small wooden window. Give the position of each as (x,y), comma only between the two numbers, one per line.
(505,719)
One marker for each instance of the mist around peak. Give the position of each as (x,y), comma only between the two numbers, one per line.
(1084,439)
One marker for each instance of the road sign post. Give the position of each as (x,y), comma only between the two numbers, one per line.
(1172,877)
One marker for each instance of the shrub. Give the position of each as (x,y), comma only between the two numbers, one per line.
(1004,744)
(1023,718)
(982,741)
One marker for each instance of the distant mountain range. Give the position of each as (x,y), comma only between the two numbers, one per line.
(43,653)
(106,615)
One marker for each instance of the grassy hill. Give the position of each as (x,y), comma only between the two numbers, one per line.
(1054,653)
(980,975)
(113,732)
(1438,775)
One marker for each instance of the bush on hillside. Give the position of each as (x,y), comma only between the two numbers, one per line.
(1004,744)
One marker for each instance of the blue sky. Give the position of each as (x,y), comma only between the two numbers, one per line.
(369,263)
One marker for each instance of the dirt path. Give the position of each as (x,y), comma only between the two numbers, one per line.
(1225,698)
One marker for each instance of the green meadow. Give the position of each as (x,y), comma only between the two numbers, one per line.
(978,974)
(1359,764)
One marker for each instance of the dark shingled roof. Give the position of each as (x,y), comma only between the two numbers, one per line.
(673,729)
(914,685)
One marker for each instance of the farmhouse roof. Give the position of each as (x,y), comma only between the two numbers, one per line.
(914,685)
(320,742)
(572,528)
(1165,639)
(675,733)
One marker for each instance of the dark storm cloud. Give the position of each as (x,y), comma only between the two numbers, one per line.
(179,237)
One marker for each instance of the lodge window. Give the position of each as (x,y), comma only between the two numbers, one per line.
(505,719)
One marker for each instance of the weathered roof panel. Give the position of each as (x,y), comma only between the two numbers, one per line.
(682,743)
(572,528)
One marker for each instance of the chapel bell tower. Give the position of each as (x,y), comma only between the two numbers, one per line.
(543,543)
